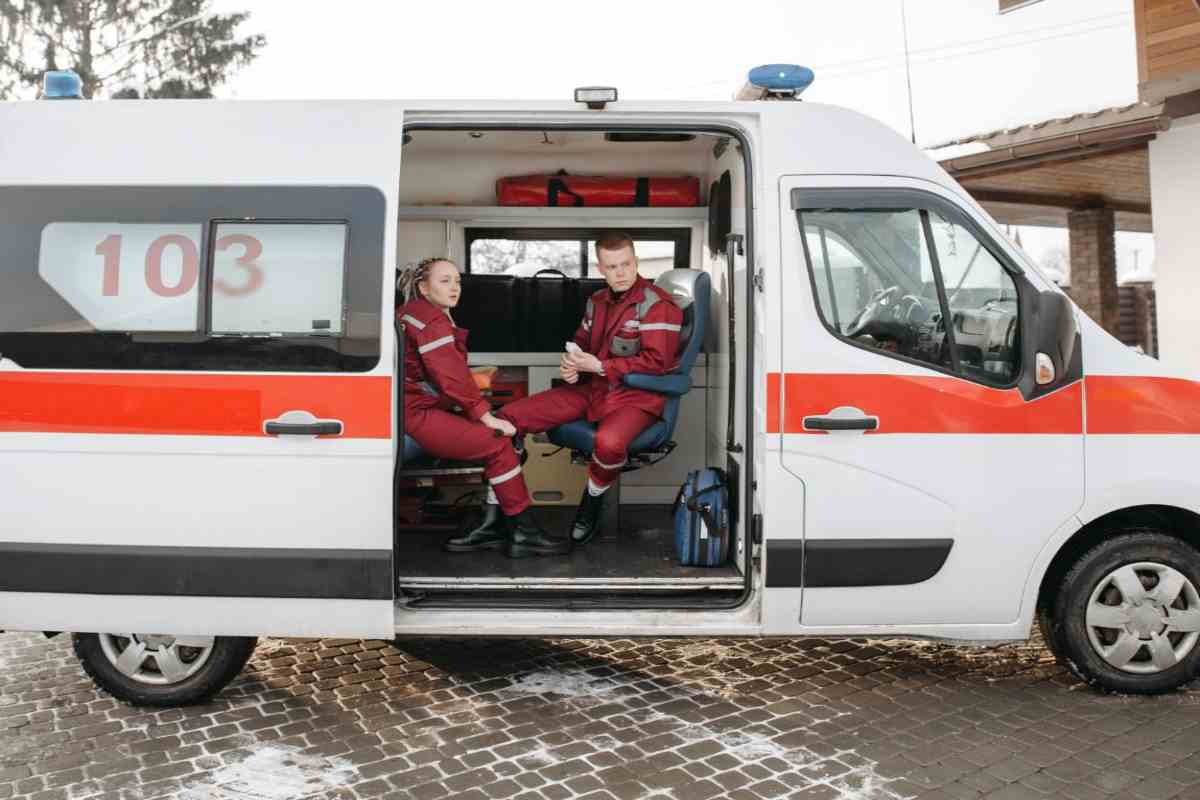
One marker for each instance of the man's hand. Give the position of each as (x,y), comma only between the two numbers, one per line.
(582,362)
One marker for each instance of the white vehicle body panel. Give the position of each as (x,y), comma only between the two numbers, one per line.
(1008,501)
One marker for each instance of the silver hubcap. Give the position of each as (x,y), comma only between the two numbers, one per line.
(154,659)
(1144,617)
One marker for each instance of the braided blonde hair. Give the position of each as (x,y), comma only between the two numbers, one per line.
(413,273)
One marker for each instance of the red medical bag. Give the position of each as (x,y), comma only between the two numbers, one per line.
(596,190)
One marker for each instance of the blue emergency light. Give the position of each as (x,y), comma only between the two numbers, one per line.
(62,84)
(782,78)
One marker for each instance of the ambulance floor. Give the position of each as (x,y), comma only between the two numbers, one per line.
(640,557)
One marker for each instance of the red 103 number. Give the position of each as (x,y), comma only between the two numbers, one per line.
(110,250)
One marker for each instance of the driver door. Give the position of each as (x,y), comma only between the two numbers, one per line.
(930,481)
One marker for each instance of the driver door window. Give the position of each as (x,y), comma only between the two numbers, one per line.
(889,278)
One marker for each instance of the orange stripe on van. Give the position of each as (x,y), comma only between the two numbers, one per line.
(1126,404)
(910,404)
(188,405)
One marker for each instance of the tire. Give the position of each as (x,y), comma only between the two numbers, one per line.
(1045,621)
(1127,618)
(162,671)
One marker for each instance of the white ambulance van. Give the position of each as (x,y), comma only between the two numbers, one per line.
(199,431)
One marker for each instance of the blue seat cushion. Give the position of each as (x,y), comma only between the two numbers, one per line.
(581,435)
(412,450)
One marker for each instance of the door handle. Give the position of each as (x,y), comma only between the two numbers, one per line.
(842,418)
(302,423)
(841,423)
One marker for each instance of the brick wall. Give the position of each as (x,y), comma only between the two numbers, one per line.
(1138,327)
(1094,265)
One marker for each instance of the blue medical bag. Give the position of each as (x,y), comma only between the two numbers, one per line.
(702,529)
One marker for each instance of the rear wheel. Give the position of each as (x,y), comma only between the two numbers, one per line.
(1128,615)
(160,670)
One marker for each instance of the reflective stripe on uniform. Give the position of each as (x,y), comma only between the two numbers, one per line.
(436,343)
(512,473)
(602,465)
(416,323)
(644,307)
(661,326)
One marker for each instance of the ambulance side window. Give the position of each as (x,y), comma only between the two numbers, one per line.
(889,278)
(279,278)
(193,278)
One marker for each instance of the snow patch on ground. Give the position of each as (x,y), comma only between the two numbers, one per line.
(859,783)
(536,758)
(568,684)
(272,772)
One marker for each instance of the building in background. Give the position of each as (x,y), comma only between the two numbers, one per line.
(1132,168)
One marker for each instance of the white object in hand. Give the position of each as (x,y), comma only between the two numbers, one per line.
(573,348)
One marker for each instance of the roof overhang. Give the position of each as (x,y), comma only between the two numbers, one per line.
(1037,174)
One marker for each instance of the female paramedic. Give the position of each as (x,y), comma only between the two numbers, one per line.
(436,380)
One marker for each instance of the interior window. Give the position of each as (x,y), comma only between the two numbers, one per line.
(523,252)
(889,278)
(525,258)
(654,258)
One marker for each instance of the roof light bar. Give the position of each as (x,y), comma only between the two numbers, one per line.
(62,84)
(776,82)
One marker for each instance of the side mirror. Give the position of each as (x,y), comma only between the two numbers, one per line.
(1051,352)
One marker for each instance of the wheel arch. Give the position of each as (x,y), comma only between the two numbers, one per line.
(1173,521)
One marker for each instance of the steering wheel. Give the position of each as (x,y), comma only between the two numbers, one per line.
(889,314)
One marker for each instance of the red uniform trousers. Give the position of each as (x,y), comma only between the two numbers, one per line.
(614,432)
(446,435)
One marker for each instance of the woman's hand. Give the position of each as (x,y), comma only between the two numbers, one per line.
(497,424)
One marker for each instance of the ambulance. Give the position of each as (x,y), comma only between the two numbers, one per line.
(200,442)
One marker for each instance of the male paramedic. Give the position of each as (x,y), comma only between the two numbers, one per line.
(631,326)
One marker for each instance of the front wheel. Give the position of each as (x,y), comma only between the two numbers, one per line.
(160,670)
(1128,615)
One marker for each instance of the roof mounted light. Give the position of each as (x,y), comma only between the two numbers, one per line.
(62,84)
(776,82)
(596,97)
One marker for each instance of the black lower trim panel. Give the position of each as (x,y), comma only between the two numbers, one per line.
(824,563)
(196,571)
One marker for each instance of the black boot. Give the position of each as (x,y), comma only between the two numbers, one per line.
(587,518)
(526,538)
(488,535)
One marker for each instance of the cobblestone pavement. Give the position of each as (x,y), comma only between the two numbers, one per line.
(599,719)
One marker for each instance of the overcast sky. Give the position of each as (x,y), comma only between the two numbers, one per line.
(973,70)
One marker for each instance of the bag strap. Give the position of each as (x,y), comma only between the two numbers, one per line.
(704,510)
(641,193)
(558,186)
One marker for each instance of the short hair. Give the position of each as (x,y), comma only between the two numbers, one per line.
(614,241)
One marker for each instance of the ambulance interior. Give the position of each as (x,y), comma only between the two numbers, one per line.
(527,272)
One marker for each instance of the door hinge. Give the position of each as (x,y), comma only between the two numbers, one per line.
(760,280)
(756,524)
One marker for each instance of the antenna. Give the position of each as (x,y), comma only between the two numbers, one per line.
(912,122)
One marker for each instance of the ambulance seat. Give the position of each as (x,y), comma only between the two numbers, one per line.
(412,451)
(690,289)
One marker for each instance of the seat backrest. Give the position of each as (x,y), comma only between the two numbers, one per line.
(490,308)
(547,322)
(690,290)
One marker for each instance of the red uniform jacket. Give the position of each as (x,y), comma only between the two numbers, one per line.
(636,332)
(436,374)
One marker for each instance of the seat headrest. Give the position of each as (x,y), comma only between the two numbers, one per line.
(681,284)
(689,289)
